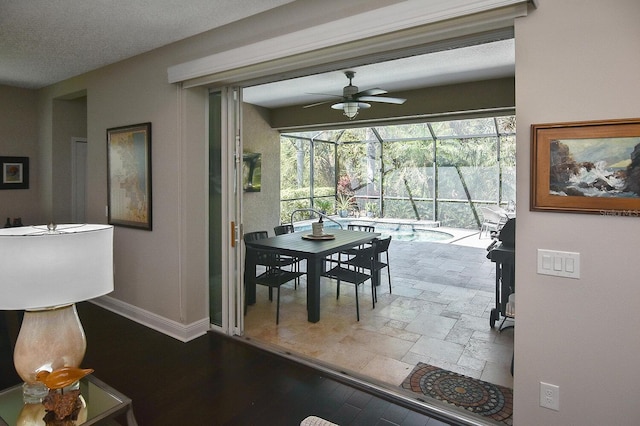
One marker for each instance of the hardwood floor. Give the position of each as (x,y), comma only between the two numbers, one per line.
(216,380)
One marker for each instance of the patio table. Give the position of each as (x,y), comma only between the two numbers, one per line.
(314,251)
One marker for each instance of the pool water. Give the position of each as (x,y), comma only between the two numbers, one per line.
(416,235)
(397,231)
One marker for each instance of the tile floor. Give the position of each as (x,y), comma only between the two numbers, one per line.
(438,313)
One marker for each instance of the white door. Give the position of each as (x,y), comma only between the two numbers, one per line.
(78,180)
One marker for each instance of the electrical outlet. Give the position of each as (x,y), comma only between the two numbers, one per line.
(550,396)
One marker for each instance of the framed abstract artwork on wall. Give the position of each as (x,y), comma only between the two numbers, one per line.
(129,176)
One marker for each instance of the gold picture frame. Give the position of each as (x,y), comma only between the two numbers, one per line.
(129,176)
(586,167)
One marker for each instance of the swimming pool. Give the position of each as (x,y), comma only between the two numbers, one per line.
(397,231)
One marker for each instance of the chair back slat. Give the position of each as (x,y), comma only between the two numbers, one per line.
(363,228)
(382,245)
(256,235)
(283,229)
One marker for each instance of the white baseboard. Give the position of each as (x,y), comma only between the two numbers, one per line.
(171,328)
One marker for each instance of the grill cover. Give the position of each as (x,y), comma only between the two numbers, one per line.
(508,233)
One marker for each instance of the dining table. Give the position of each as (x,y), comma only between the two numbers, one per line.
(303,245)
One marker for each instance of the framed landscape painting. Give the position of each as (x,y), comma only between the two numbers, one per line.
(586,167)
(129,176)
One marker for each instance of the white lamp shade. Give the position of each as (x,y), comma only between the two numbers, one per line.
(41,269)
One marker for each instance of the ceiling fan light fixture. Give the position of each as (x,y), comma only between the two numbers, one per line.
(351,98)
(350,109)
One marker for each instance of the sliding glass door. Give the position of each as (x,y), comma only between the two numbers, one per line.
(226,291)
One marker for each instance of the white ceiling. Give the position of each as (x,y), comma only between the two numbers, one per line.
(44,41)
(479,62)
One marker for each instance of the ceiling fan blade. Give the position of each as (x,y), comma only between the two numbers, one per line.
(385,99)
(324,94)
(316,104)
(322,102)
(370,92)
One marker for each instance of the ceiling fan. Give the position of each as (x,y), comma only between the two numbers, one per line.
(352,100)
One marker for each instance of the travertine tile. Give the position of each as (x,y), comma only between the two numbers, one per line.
(400,333)
(431,325)
(472,363)
(497,374)
(456,368)
(459,335)
(387,370)
(391,347)
(487,351)
(438,349)
(438,313)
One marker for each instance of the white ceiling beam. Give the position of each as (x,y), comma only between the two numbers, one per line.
(398,17)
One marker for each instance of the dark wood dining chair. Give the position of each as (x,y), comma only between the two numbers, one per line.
(346,272)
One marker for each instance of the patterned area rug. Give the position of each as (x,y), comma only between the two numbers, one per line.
(477,396)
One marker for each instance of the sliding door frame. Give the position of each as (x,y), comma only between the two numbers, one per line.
(230,184)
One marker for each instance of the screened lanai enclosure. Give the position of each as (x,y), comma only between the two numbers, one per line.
(439,171)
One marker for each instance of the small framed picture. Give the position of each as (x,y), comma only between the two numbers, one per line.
(15,172)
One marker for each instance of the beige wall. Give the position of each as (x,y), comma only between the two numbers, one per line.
(151,267)
(19,138)
(69,121)
(440,100)
(262,209)
(577,60)
(163,273)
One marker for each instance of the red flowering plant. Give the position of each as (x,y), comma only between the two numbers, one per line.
(344,186)
(345,201)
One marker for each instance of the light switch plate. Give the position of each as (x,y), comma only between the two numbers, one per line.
(559,263)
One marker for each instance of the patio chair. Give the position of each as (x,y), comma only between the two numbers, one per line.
(288,229)
(381,246)
(274,276)
(492,221)
(283,229)
(355,227)
(363,228)
(270,261)
(352,274)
